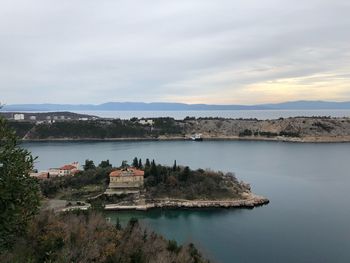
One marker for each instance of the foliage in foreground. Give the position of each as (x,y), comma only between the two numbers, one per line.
(19,194)
(87,237)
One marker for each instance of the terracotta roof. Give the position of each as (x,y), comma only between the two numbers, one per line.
(128,172)
(68,167)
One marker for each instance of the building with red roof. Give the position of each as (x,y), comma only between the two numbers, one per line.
(69,169)
(125,181)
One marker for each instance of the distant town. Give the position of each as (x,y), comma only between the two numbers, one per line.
(46,117)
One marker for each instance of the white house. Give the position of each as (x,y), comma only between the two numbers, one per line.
(146,122)
(18,116)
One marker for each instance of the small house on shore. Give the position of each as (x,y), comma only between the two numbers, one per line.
(69,169)
(125,181)
(65,170)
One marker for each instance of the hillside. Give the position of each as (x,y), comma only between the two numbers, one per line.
(309,129)
(298,129)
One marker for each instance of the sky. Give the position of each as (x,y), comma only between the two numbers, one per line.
(191,51)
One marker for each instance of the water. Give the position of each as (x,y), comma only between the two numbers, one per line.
(259,114)
(307,184)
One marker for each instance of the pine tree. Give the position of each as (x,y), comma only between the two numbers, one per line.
(153,169)
(140,163)
(105,164)
(185,174)
(89,164)
(174,166)
(148,164)
(124,164)
(135,163)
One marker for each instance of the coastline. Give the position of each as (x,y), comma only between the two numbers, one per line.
(308,139)
(250,201)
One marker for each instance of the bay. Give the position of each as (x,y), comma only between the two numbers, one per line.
(308,185)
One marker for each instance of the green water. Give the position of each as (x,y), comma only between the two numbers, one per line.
(308,185)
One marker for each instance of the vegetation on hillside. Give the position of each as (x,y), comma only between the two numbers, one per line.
(179,182)
(298,127)
(88,237)
(29,236)
(183,183)
(90,129)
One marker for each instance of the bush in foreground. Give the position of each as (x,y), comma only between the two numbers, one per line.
(88,237)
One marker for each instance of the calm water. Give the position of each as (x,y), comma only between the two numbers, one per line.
(259,114)
(308,186)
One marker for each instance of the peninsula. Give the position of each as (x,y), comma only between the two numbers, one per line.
(144,186)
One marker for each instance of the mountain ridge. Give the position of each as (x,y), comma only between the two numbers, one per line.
(169,106)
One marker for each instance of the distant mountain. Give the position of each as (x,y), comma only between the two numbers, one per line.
(164,106)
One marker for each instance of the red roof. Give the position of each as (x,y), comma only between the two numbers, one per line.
(128,172)
(68,167)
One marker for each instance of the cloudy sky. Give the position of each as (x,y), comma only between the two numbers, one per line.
(193,51)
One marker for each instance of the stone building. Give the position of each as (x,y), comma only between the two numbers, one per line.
(125,181)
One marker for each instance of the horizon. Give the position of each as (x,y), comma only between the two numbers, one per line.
(200,52)
(164,102)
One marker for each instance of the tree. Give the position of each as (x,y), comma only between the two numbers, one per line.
(148,164)
(124,164)
(19,193)
(174,166)
(140,163)
(89,164)
(153,169)
(135,163)
(105,164)
(185,174)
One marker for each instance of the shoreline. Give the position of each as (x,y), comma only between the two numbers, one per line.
(250,201)
(309,139)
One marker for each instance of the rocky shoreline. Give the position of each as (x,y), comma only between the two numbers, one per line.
(248,201)
(308,139)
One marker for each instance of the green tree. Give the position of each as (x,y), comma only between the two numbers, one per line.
(124,164)
(185,174)
(105,164)
(135,163)
(153,169)
(174,166)
(148,164)
(140,163)
(19,193)
(89,164)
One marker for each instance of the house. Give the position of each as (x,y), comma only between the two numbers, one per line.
(32,118)
(18,116)
(125,181)
(54,172)
(69,169)
(146,122)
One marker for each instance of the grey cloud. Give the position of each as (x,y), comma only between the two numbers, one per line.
(95,51)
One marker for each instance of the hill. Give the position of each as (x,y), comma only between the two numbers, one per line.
(166,106)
